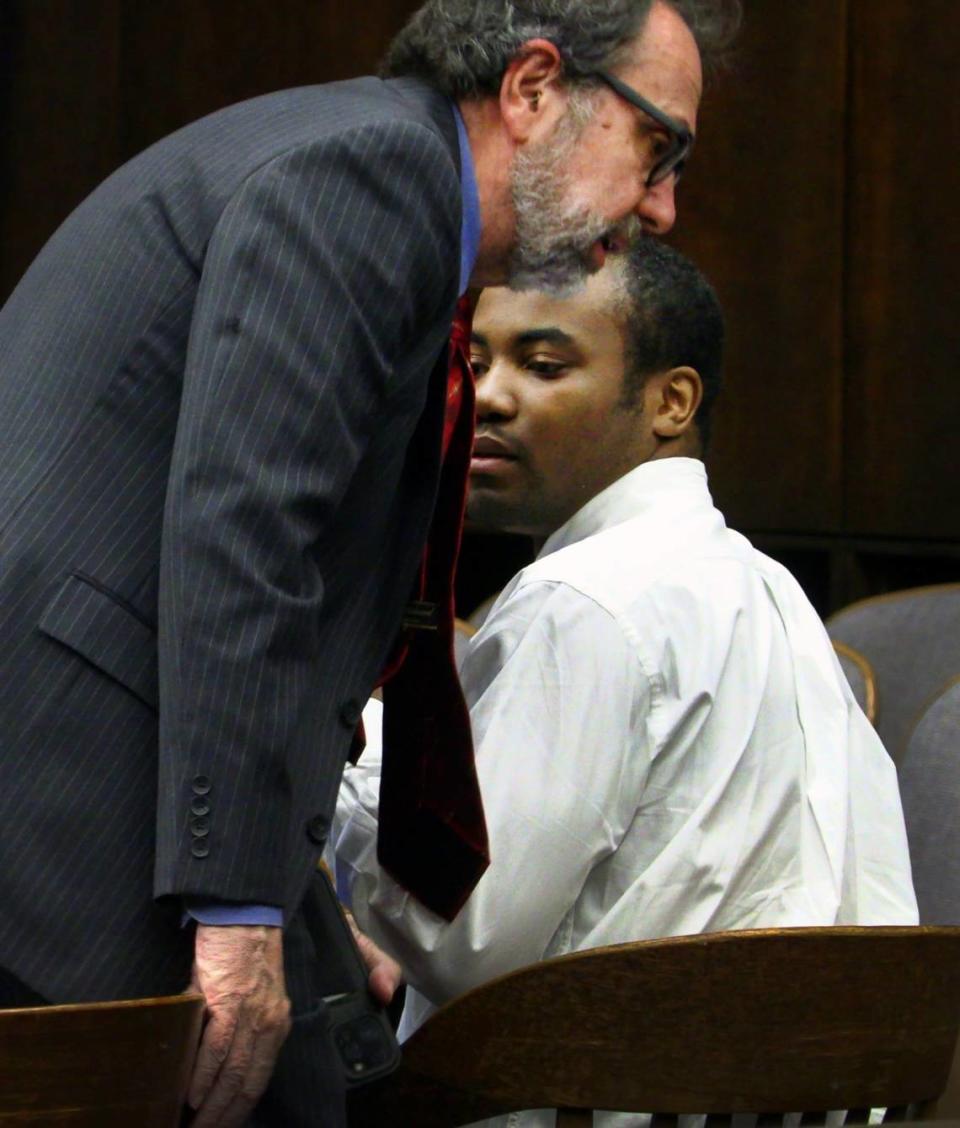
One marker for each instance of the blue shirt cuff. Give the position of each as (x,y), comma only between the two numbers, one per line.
(227,912)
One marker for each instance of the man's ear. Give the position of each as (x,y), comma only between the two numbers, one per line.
(677,395)
(532,93)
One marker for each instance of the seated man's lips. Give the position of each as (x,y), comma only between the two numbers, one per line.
(487,448)
(490,456)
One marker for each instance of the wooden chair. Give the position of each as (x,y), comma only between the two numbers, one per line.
(98,1065)
(766,1021)
(860,676)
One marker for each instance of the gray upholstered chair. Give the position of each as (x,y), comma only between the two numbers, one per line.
(859,673)
(930,787)
(912,641)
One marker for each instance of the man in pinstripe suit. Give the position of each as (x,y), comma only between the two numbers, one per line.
(221,388)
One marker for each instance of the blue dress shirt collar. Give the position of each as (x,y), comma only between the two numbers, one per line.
(470,227)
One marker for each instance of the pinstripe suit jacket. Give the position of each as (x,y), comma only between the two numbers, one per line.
(218,460)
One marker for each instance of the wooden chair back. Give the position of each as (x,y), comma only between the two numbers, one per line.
(98,1065)
(860,676)
(764,1021)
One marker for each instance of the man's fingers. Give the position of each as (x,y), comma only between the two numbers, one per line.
(384,981)
(214,1049)
(245,1073)
(385,974)
(222,1098)
(255,1081)
(239,969)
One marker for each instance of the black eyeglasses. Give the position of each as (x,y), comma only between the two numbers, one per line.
(681,139)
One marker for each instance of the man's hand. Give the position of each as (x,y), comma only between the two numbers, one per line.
(385,973)
(239,971)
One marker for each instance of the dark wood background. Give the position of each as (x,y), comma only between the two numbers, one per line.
(822,203)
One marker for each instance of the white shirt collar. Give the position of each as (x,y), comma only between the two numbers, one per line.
(675,483)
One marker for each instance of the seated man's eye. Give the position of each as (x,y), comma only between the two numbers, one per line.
(546,367)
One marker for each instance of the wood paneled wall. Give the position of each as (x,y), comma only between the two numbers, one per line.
(902,393)
(762,212)
(821,201)
(86,84)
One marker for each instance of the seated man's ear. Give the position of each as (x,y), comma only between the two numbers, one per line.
(676,396)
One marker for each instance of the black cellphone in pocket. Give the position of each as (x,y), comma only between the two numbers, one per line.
(366,1044)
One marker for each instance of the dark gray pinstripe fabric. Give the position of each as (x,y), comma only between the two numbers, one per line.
(216,474)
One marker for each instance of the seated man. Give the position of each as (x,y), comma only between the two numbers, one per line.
(665,742)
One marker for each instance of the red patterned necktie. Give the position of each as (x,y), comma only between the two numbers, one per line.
(432,836)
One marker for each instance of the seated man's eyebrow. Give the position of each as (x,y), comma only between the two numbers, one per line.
(550,334)
(479,339)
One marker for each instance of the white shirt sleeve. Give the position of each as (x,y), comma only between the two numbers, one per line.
(557,698)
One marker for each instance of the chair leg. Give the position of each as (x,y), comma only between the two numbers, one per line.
(574,1118)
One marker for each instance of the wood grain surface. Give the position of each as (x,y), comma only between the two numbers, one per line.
(99,1065)
(757,1021)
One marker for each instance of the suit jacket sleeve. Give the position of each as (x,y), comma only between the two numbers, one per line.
(324,267)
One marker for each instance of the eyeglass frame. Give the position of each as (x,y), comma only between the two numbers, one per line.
(681,138)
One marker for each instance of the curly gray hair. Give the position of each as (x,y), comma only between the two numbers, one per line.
(462,47)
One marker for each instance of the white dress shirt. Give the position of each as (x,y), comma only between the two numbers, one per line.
(665,745)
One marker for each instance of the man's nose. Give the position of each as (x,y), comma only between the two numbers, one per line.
(495,398)
(658,208)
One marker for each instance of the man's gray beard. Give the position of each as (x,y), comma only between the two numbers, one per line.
(554,236)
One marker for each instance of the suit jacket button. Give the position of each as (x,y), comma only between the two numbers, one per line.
(199,828)
(317,828)
(199,849)
(201,785)
(199,807)
(351,712)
